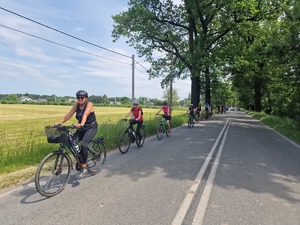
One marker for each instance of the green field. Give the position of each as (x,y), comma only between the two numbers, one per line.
(23,142)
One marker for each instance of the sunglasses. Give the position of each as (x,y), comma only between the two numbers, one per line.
(80,98)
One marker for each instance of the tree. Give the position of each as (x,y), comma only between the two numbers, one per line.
(12,98)
(185,34)
(166,96)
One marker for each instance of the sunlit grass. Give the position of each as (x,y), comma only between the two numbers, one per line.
(285,126)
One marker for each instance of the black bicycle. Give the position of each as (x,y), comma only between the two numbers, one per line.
(53,172)
(130,136)
(191,120)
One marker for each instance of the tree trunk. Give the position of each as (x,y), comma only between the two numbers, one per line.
(195,87)
(257,93)
(207,86)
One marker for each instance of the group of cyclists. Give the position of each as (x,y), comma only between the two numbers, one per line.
(195,112)
(87,126)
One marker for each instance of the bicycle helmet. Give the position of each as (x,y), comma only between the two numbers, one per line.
(82,93)
(191,105)
(135,103)
(165,103)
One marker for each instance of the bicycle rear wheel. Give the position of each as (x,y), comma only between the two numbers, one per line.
(140,139)
(124,143)
(167,131)
(160,132)
(52,174)
(96,161)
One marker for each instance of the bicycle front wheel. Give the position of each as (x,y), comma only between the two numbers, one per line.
(52,174)
(160,132)
(96,161)
(140,138)
(189,123)
(124,143)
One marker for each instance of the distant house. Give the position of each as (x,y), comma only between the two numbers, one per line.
(151,104)
(42,100)
(25,99)
(71,100)
(115,103)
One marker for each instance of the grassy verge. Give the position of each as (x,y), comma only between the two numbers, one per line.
(285,126)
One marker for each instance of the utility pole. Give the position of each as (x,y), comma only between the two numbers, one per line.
(132,96)
(171,91)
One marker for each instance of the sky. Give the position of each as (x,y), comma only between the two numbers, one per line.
(31,63)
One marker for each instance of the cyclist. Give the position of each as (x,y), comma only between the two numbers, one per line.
(87,126)
(207,110)
(167,114)
(198,111)
(137,115)
(191,111)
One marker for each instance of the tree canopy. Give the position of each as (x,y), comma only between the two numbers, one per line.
(253,45)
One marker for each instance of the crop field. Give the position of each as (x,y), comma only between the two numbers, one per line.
(23,141)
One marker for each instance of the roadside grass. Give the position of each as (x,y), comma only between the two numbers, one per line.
(23,143)
(285,126)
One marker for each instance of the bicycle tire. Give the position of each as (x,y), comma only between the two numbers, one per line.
(167,131)
(139,142)
(124,143)
(49,178)
(98,151)
(160,132)
(189,123)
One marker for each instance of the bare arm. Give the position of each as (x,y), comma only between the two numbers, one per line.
(128,114)
(68,115)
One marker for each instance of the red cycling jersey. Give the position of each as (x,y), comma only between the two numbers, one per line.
(135,112)
(166,110)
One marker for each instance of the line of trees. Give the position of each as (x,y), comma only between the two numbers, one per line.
(100,100)
(253,45)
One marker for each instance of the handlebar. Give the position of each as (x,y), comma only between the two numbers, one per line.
(62,127)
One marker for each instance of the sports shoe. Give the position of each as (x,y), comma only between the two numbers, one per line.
(83,172)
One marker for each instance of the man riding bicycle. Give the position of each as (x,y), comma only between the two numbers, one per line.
(167,114)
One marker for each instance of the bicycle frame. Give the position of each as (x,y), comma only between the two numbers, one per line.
(164,123)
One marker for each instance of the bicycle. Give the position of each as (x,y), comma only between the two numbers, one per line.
(130,136)
(198,116)
(162,128)
(53,172)
(191,121)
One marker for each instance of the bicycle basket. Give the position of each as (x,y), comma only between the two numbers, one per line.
(55,134)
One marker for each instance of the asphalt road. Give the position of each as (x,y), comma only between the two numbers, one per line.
(229,170)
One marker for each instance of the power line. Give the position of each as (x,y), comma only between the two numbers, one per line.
(61,44)
(63,32)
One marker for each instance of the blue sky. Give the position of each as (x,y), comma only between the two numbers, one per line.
(32,65)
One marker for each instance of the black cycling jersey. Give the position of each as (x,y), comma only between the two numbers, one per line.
(79,113)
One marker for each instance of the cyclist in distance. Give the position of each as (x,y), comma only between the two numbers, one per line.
(198,110)
(87,126)
(191,111)
(137,114)
(207,110)
(167,114)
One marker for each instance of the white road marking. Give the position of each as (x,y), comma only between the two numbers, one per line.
(189,197)
(201,209)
